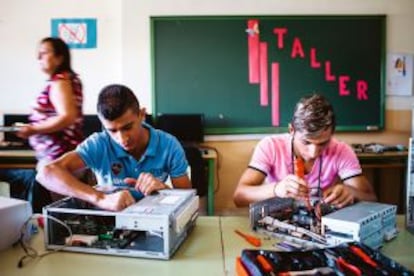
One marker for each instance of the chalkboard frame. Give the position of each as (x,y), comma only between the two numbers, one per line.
(211,129)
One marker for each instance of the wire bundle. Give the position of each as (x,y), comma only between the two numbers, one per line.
(30,252)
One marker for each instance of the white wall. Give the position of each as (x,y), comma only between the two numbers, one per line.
(24,23)
(123,53)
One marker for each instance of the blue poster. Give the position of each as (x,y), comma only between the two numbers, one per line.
(76,32)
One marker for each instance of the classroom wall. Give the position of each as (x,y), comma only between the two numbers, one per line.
(24,23)
(123,55)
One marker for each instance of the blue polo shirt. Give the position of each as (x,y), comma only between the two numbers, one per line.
(163,157)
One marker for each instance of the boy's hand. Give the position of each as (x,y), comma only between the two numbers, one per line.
(339,195)
(291,186)
(146,183)
(116,201)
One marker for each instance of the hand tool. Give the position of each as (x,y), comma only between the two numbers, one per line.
(249,238)
(300,172)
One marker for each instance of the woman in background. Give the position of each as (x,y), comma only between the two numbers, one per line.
(55,122)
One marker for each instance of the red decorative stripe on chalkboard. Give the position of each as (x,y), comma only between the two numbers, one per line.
(264,79)
(275,94)
(253,50)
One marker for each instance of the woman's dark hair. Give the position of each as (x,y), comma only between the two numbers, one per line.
(313,114)
(60,49)
(114,100)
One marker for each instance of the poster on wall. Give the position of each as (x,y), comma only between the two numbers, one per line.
(76,32)
(400,74)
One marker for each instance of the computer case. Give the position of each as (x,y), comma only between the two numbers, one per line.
(154,227)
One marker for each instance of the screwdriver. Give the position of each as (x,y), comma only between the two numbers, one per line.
(364,256)
(265,264)
(250,239)
(299,167)
(240,268)
(300,172)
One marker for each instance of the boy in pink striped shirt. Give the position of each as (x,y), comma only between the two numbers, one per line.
(332,170)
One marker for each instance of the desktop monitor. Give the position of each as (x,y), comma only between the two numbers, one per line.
(187,128)
(149,120)
(91,124)
(11,119)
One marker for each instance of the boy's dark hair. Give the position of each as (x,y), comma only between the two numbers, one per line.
(60,49)
(114,100)
(313,114)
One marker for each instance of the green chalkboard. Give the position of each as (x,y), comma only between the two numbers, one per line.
(201,65)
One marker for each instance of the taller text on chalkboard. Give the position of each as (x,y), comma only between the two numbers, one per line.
(247,73)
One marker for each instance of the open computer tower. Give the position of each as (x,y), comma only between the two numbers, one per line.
(154,227)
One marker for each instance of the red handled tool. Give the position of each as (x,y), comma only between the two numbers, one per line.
(342,264)
(300,172)
(240,269)
(364,256)
(250,239)
(347,268)
(265,264)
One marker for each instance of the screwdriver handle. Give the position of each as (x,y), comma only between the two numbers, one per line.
(364,256)
(264,263)
(347,268)
(300,172)
(250,239)
(299,167)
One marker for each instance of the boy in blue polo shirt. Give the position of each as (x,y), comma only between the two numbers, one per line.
(129,158)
